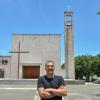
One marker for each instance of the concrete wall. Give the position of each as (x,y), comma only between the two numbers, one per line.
(6,66)
(41,47)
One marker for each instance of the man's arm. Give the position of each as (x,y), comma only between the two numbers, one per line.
(45,94)
(61,91)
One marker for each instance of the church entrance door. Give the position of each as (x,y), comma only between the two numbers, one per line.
(31,72)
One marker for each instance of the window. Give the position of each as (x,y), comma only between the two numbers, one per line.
(4,62)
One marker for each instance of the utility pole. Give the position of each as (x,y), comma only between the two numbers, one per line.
(19,52)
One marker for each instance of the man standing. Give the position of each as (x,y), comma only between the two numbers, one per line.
(50,86)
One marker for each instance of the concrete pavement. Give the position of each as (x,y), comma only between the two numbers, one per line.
(29,92)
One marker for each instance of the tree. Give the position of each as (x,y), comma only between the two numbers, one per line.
(95,67)
(63,66)
(86,66)
(78,68)
(98,55)
(83,67)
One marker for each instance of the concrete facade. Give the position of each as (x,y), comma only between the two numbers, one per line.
(40,47)
(5,66)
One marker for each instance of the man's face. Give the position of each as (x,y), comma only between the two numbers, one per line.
(49,68)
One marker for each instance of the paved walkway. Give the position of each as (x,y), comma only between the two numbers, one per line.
(28,92)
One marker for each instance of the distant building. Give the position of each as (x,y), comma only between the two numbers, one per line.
(5,66)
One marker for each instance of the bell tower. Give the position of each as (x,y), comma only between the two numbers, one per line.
(69,45)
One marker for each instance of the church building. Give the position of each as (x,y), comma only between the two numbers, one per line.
(29,53)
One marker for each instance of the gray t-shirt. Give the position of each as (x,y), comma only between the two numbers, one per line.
(55,83)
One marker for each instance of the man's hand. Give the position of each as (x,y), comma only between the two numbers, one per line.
(61,91)
(45,94)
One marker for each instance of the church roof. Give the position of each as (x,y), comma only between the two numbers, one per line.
(37,34)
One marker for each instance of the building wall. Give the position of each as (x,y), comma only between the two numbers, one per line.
(5,64)
(41,47)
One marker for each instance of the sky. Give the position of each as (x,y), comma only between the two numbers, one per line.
(47,16)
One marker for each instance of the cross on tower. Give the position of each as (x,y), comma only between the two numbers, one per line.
(18,57)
